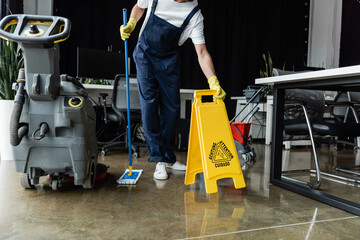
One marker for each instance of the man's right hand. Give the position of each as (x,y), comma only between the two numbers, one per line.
(126,31)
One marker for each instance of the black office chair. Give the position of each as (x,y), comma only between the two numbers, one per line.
(349,112)
(119,116)
(290,138)
(304,115)
(112,123)
(344,108)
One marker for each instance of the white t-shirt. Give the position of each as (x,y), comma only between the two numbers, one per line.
(175,13)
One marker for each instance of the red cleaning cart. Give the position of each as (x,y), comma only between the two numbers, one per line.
(241,130)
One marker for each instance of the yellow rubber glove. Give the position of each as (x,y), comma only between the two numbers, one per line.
(126,31)
(214,85)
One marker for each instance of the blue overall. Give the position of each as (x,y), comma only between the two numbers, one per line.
(158,73)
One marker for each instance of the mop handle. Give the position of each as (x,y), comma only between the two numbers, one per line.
(249,113)
(127,94)
(253,112)
(263,88)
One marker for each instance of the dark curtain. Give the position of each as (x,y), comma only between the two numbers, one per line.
(237,33)
(8,7)
(350,34)
(94,24)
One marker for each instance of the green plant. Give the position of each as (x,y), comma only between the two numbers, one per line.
(268,72)
(10,63)
(269,69)
(98,81)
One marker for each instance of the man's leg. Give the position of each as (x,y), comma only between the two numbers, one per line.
(149,100)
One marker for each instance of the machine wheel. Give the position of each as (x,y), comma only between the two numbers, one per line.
(136,154)
(55,185)
(90,180)
(25,181)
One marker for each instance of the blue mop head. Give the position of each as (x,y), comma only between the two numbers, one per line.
(125,179)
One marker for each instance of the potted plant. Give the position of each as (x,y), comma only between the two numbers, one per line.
(269,70)
(10,63)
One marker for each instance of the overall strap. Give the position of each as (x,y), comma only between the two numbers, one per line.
(153,6)
(188,18)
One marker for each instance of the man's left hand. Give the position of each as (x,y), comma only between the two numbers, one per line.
(215,85)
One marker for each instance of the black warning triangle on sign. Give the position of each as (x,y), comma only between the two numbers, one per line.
(221,153)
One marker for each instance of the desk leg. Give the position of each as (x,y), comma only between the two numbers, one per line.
(277,134)
(182,108)
(269,122)
(184,97)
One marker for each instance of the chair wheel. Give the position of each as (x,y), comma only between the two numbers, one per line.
(104,152)
(136,155)
(245,157)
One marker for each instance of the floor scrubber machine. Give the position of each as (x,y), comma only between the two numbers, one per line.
(52,128)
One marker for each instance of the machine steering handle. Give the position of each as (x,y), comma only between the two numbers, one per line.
(35,29)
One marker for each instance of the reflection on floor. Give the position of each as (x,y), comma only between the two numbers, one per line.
(170,210)
(328,158)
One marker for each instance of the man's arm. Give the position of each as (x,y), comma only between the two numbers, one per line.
(137,12)
(208,69)
(205,60)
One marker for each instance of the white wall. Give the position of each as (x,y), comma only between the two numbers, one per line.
(324,33)
(38,7)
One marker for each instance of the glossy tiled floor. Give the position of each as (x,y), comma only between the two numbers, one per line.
(171,210)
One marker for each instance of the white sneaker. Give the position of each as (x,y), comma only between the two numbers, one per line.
(160,171)
(176,166)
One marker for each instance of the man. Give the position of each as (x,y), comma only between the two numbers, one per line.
(167,25)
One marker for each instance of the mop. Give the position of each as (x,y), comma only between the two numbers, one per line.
(131,176)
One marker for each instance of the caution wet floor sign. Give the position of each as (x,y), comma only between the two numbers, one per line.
(211,145)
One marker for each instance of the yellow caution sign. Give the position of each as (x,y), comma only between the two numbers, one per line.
(211,145)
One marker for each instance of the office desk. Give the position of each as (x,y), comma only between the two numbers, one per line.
(95,89)
(346,78)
